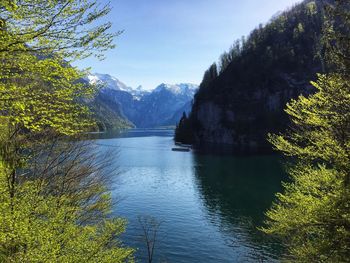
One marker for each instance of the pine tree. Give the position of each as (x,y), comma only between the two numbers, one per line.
(313,214)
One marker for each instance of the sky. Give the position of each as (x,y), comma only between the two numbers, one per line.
(175,41)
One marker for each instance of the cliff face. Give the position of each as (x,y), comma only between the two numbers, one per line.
(243,119)
(243,102)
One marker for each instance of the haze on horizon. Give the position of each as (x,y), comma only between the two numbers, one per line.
(176,41)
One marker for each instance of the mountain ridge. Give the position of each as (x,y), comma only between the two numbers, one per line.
(242,99)
(144,108)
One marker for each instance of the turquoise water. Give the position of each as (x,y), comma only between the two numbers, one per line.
(209,205)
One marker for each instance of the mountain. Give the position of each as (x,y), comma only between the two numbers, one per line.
(179,113)
(158,107)
(241,99)
(142,108)
(107,105)
(108,82)
(108,114)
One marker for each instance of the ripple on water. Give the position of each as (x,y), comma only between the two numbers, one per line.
(209,206)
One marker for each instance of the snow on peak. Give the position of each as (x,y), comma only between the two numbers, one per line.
(108,82)
(180,89)
(140,89)
(93,79)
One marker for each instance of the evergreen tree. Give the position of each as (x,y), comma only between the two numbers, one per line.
(313,215)
(274,61)
(209,75)
(183,131)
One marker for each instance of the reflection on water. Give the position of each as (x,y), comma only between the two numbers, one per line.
(209,205)
(236,191)
(131,133)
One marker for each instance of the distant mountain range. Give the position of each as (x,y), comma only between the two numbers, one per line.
(117,105)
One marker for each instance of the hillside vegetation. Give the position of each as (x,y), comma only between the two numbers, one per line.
(242,97)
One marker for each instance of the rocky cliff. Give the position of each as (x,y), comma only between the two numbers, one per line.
(242,99)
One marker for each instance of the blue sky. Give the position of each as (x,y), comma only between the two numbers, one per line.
(174,41)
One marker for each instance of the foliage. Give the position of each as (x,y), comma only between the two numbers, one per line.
(313,214)
(38,93)
(38,89)
(44,228)
(212,72)
(258,75)
(54,207)
(70,28)
(183,132)
(337,36)
(38,38)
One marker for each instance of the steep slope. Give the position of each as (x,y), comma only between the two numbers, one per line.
(239,104)
(108,82)
(106,110)
(178,114)
(108,114)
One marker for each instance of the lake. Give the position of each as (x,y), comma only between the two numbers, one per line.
(208,206)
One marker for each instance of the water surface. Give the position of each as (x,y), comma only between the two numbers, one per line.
(209,205)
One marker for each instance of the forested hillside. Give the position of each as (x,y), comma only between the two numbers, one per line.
(312,215)
(242,97)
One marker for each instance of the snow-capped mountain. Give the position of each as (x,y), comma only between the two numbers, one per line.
(108,82)
(163,102)
(145,109)
(186,89)
(139,92)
